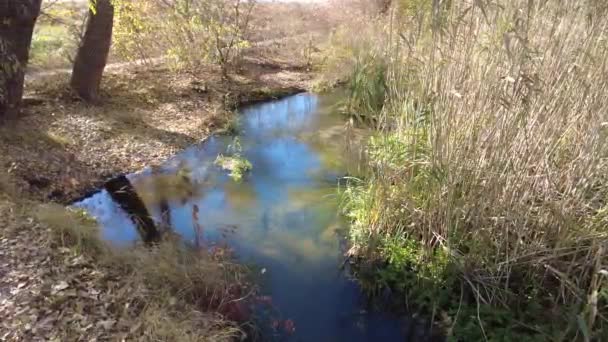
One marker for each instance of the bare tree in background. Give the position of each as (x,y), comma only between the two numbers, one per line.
(93,51)
(17,20)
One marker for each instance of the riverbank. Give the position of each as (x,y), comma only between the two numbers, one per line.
(60,147)
(54,270)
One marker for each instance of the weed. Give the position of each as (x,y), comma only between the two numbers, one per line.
(231,127)
(236,163)
(367,88)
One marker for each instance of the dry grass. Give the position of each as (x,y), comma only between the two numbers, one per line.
(170,292)
(495,151)
(279,20)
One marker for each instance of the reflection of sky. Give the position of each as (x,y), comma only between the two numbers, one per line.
(284,213)
(284,160)
(116,223)
(284,118)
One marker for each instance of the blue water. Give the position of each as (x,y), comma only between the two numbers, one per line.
(282,217)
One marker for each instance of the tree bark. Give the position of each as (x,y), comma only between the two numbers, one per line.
(93,52)
(17,20)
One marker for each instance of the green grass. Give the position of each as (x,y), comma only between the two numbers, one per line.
(52,46)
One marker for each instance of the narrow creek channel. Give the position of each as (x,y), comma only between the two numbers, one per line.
(282,217)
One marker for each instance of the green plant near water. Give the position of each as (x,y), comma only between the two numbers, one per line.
(488,191)
(367,88)
(235,163)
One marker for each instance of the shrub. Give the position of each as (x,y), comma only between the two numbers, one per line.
(188,32)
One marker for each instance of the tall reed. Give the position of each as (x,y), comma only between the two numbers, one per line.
(493,153)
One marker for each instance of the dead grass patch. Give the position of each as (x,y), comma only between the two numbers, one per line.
(171,292)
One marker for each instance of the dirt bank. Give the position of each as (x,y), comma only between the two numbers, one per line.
(60,147)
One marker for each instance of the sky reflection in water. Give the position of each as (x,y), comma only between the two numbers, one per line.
(284,215)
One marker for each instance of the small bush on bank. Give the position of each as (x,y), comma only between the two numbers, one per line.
(52,46)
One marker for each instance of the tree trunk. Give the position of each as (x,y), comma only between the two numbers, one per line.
(17,20)
(93,52)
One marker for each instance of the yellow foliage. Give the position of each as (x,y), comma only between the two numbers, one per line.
(188,33)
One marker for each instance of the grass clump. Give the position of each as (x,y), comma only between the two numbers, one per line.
(367,89)
(487,187)
(237,165)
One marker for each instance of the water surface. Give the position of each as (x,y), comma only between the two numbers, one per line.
(282,217)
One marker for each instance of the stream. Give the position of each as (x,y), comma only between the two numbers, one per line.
(282,217)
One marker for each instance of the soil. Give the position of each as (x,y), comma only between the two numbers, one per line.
(60,149)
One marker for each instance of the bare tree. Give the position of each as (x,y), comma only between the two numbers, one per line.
(93,51)
(17,20)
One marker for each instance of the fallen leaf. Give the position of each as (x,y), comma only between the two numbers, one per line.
(62,285)
(107,324)
(135,327)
